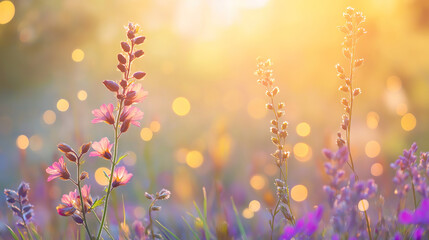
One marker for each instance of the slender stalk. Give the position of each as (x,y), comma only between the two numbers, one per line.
(23,219)
(414,196)
(81,198)
(150,225)
(105,227)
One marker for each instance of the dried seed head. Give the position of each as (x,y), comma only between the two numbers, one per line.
(149,196)
(341,76)
(344,88)
(348,82)
(275,91)
(125,46)
(275,140)
(274,130)
(268,93)
(358,62)
(280,114)
(164,194)
(64,148)
(274,122)
(356,92)
(156,208)
(344,102)
(339,68)
(111,85)
(283,134)
(279,183)
(269,106)
(122,59)
(284,125)
(347,53)
(281,105)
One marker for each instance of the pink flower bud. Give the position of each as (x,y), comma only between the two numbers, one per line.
(125,47)
(121,67)
(124,83)
(111,85)
(71,157)
(138,53)
(139,75)
(122,59)
(139,40)
(85,148)
(64,148)
(130,34)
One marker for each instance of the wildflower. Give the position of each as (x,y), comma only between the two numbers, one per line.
(420,215)
(164,194)
(58,170)
(305,227)
(134,94)
(131,114)
(104,114)
(87,199)
(102,149)
(121,177)
(18,202)
(68,205)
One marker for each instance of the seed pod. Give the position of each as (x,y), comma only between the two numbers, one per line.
(148,196)
(341,75)
(124,83)
(344,88)
(164,194)
(274,130)
(125,125)
(274,122)
(339,68)
(284,125)
(356,92)
(280,113)
(122,59)
(275,140)
(85,148)
(348,82)
(279,183)
(139,75)
(139,40)
(138,53)
(84,175)
(23,189)
(122,67)
(281,105)
(130,34)
(275,91)
(283,134)
(344,102)
(268,93)
(156,208)
(269,106)
(77,219)
(347,53)
(125,46)
(358,62)
(64,148)
(111,85)
(71,157)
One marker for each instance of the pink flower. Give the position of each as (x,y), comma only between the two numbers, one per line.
(134,94)
(86,197)
(58,170)
(69,203)
(131,114)
(102,149)
(104,114)
(120,177)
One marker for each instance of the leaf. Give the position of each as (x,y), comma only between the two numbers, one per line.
(190,228)
(120,158)
(166,229)
(106,175)
(20,233)
(98,202)
(206,228)
(34,230)
(240,225)
(12,233)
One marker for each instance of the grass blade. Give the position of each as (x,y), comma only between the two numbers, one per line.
(166,229)
(190,228)
(240,225)
(12,233)
(206,228)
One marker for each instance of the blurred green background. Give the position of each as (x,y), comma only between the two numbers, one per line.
(54,56)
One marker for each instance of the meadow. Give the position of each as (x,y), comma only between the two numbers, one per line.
(258,119)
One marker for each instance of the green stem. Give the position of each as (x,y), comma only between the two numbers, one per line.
(81,199)
(115,155)
(150,225)
(414,196)
(105,227)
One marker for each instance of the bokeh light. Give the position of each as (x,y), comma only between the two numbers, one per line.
(82,95)
(181,106)
(401,109)
(376,169)
(408,122)
(78,55)
(363,205)
(393,84)
(254,205)
(372,119)
(256,108)
(247,213)
(257,182)
(49,117)
(62,105)
(302,152)
(139,212)
(155,126)
(194,159)
(146,134)
(303,129)
(36,142)
(130,159)
(22,142)
(7,11)
(100,176)
(372,149)
(299,193)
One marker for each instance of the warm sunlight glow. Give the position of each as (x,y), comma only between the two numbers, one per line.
(194,159)
(139,212)
(22,142)
(82,95)
(372,149)
(130,159)
(100,177)
(49,117)
(256,108)
(36,142)
(78,55)
(363,205)
(299,193)
(254,205)
(155,126)
(401,109)
(181,106)
(372,119)
(303,129)
(146,134)
(7,11)
(62,105)
(408,122)
(376,169)
(393,84)
(257,182)
(302,152)
(247,213)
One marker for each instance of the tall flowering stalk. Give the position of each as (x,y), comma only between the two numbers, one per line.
(278,129)
(164,194)
(128,92)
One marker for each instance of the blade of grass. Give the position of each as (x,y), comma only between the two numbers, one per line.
(12,233)
(240,225)
(166,229)
(20,233)
(206,229)
(190,228)
(36,234)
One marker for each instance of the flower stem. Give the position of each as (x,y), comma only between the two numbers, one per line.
(81,198)
(150,225)
(414,196)
(115,155)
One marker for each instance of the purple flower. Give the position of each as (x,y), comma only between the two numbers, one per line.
(420,215)
(305,227)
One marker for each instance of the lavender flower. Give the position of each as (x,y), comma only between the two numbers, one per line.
(18,202)
(305,227)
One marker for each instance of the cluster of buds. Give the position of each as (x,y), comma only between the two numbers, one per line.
(19,204)
(278,128)
(72,206)
(164,194)
(353,30)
